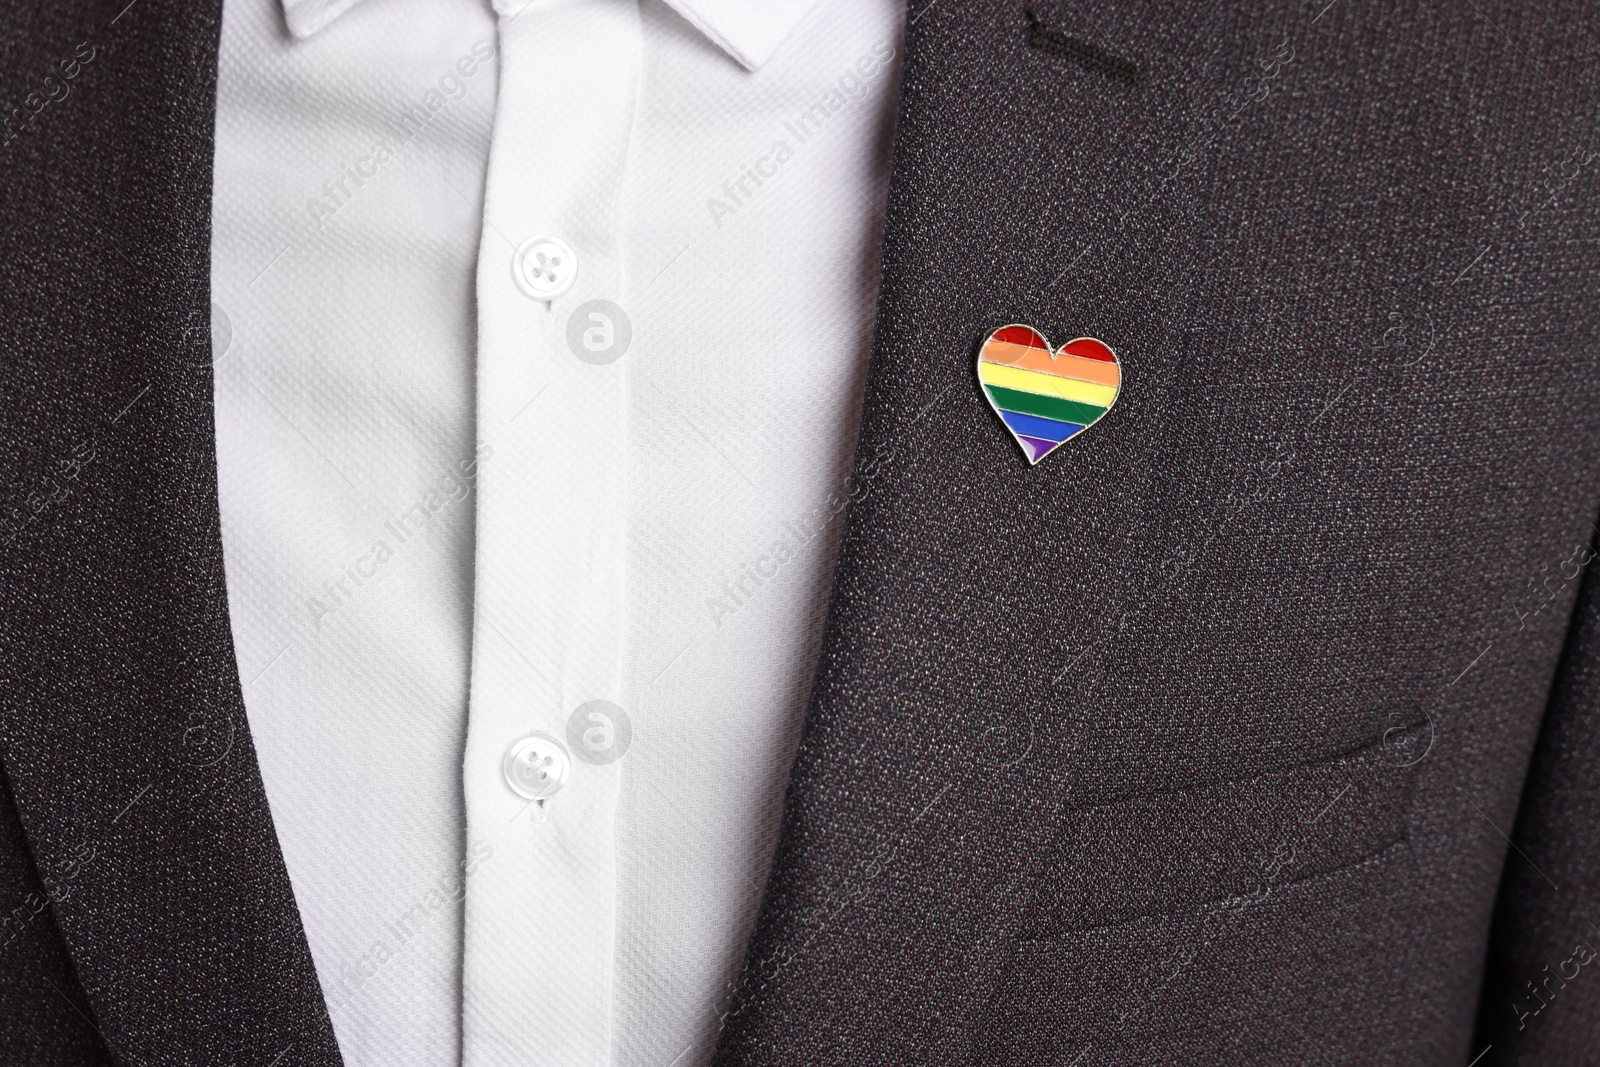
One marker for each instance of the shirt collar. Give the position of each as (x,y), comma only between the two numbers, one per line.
(747,30)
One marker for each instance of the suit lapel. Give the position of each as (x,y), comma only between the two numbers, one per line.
(123,729)
(1028,187)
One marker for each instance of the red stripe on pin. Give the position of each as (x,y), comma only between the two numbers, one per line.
(1020,335)
(1089,348)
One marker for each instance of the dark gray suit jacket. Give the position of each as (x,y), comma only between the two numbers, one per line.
(1257,726)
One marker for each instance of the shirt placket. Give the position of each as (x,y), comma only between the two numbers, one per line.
(541,881)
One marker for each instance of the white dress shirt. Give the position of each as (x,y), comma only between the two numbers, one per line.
(540,332)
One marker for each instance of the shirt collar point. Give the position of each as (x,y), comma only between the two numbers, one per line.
(307,17)
(749,32)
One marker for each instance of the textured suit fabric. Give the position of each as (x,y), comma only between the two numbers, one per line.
(1196,742)
(169,933)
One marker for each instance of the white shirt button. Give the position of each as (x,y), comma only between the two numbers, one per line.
(537,767)
(545,267)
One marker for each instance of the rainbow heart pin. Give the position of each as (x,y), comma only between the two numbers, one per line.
(1046,397)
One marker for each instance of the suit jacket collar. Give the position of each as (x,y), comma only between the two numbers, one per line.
(929,773)
(121,722)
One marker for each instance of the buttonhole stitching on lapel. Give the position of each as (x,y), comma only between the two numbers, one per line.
(1080,52)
